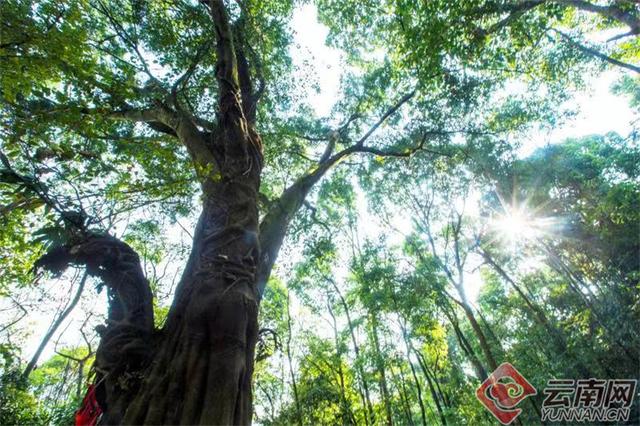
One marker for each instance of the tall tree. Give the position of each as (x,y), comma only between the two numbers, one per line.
(112,106)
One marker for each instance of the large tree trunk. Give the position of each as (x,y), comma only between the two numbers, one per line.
(202,365)
(201,373)
(200,368)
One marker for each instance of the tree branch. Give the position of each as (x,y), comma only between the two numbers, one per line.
(184,78)
(76,220)
(227,66)
(249,97)
(118,265)
(122,33)
(275,223)
(384,117)
(408,152)
(54,327)
(593,52)
(612,12)
(182,125)
(515,12)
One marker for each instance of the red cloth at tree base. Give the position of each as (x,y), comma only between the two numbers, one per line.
(90,410)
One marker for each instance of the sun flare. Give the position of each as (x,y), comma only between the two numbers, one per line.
(514,225)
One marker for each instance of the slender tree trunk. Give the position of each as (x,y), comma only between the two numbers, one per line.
(54,327)
(577,286)
(423,412)
(435,394)
(558,338)
(79,380)
(369,414)
(404,395)
(381,370)
(482,338)
(446,399)
(407,344)
(346,408)
(294,385)
(487,326)
(266,393)
(481,372)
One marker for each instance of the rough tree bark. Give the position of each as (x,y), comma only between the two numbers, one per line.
(198,368)
(203,363)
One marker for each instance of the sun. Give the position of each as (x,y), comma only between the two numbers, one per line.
(515,224)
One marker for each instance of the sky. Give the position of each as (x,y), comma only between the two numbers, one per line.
(599,112)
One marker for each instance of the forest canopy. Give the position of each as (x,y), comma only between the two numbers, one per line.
(330,212)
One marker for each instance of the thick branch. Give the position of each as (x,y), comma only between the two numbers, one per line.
(75,219)
(136,115)
(407,152)
(246,87)
(242,144)
(118,265)
(509,7)
(247,57)
(612,12)
(104,256)
(515,11)
(180,124)
(249,97)
(334,137)
(227,66)
(44,107)
(276,222)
